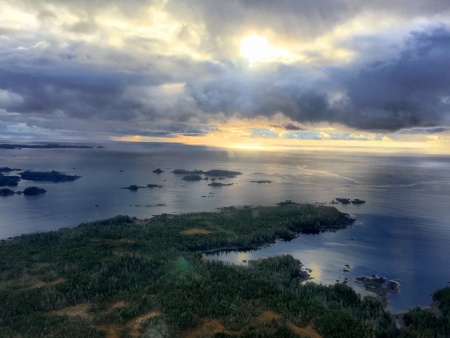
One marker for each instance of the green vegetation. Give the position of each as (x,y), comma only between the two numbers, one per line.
(426,323)
(125,277)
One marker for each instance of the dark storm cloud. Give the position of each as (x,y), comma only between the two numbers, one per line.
(77,92)
(66,93)
(261,97)
(409,91)
(48,82)
(286,89)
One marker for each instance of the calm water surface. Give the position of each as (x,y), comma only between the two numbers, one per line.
(402,232)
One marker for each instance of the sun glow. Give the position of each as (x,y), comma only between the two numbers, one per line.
(257,49)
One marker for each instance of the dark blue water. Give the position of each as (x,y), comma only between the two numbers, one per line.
(402,232)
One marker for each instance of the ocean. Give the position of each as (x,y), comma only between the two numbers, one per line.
(402,232)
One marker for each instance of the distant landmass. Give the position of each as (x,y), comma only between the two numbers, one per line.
(43,146)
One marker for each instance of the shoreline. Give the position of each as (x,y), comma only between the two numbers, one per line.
(216,251)
(117,260)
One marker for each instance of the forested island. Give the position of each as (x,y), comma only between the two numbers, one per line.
(125,277)
(212,173)
(29,191)
(135,187)
(8,181)
(51,176)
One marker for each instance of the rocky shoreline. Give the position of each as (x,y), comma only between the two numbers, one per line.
(376,285)
(346,201)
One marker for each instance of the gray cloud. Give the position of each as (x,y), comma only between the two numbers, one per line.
(291,126)
(51,83)
(297,19)
(289,18)
(290,21)
(406,92)
(421,131)
(409,91)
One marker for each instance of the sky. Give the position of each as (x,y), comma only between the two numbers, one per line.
(237,73)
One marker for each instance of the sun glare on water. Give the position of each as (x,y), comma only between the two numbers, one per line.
(257,49)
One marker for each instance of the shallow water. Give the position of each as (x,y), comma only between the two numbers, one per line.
(402,232)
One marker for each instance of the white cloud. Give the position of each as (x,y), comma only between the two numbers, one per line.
(8,98)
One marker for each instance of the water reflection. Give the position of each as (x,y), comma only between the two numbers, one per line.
(315,271)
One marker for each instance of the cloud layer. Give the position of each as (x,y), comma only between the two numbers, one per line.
(161,68)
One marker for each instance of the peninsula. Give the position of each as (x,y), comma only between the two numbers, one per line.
(125,277)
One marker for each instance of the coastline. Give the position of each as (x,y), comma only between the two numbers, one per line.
(119,258)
